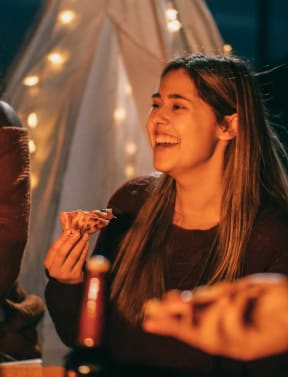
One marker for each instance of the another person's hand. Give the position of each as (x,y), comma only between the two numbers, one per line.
(246,319)
(66,257)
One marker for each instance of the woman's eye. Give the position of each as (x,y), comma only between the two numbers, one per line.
(154,105)
(177,106)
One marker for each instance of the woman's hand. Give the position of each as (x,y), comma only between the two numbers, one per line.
(246,319)
(66,257)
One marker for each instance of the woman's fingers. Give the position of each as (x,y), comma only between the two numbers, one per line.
(61,247)
(71,259)
(77,266)
(65,258)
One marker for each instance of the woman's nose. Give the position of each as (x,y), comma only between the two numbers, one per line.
(161,117)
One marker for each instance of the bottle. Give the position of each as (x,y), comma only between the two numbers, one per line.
(89,357)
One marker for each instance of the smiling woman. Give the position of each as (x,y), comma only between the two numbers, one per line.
(183,120)
(206,217)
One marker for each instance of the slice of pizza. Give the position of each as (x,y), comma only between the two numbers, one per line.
(86,221)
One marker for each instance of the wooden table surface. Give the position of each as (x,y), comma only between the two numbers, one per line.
(27,370)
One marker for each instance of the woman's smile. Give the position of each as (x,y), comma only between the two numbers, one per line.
(166,141)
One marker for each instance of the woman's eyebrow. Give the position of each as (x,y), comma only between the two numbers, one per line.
(173,96)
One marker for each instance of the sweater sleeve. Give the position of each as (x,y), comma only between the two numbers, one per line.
(279,244)
(63,303)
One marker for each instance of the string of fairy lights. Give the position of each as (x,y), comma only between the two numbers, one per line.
(56,58)
(69,18)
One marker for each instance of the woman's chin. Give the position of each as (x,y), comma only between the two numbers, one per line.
(163,168)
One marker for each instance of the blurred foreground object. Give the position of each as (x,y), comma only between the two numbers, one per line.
(89,358)
(246,319)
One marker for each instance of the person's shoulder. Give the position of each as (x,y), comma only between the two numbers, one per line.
(137,184)
(267,246)
(273,218)
(271,228)
(131,194)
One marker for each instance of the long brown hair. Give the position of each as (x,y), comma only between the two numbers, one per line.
(253,175)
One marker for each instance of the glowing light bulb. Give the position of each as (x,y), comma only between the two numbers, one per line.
(129,170)
(31,80)
(57,58)
(34,181)
(131,148)
(128,89)
(32,120)
(174,26)
(227,48)
(84,369)
(171,13)
(32,146)
(119,114)
(66,16)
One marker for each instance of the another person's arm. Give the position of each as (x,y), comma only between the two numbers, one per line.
(246,319)
(14,195)
(20,311)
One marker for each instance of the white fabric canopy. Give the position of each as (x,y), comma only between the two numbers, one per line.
(91,108)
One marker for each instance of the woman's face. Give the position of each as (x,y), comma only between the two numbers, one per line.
(182,128)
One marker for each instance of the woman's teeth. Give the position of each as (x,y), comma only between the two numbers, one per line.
(167,140)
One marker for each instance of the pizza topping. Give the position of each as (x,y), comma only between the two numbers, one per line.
(86,221)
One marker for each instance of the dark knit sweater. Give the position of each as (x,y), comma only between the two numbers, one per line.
(267,251)
(20,311)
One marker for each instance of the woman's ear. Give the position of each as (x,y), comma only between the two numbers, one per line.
(228,129)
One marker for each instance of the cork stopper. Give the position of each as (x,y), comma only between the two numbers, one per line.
(98,263)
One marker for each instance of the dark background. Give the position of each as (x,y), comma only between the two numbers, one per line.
(256,29)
